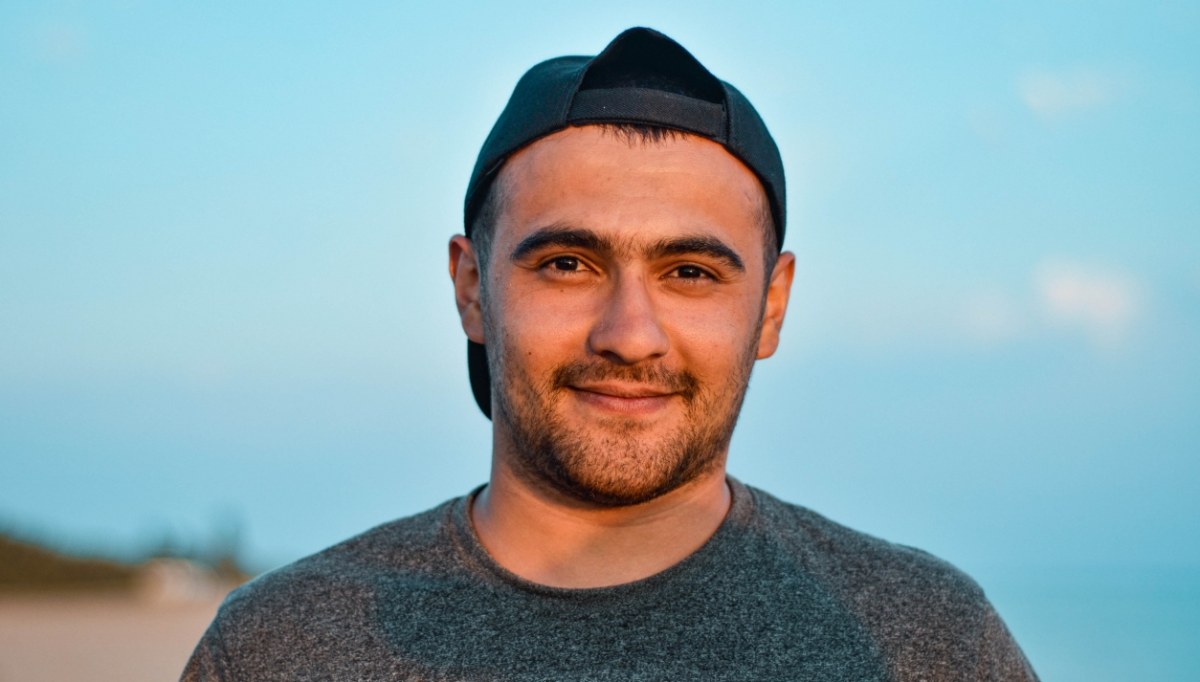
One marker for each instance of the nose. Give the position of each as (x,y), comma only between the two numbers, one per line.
(628,330)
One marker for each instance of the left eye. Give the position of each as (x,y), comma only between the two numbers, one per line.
(689,272)
(566,263)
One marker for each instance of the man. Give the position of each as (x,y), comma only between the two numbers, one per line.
(620,274)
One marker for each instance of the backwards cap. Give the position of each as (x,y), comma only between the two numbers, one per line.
(642,77)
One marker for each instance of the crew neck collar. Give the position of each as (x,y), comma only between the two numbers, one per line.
(741,510)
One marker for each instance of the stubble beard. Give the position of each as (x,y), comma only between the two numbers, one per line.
(614,461)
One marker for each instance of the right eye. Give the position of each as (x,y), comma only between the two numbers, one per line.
(565,263)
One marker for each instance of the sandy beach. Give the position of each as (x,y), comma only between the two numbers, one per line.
(98,637)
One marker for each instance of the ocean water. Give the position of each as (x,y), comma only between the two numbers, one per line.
(1102,624)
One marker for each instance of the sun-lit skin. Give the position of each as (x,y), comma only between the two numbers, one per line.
(624,308)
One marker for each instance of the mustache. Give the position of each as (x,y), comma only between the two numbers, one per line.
(670,381)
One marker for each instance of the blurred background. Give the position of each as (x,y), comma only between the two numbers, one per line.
(227,336)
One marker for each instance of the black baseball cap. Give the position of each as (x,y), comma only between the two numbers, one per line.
(642,77)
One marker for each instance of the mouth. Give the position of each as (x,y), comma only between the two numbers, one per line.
(627,399)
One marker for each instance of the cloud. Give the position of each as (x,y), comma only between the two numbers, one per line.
(1080,303)
(61,43)
(1056,95)
(1101,304)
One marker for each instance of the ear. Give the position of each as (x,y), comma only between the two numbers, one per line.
(778,291)
(465,273)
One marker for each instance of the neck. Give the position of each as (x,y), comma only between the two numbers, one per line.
(546,540)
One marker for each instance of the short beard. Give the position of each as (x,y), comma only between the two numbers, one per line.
(618,467)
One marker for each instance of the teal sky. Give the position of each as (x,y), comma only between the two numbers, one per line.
(223,294)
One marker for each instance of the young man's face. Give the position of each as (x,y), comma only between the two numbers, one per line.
(624,309)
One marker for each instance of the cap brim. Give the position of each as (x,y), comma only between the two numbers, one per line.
(481,385)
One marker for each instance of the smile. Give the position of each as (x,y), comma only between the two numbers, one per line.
(628,399)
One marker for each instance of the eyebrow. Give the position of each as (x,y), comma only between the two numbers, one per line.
(702,245)
(562,236)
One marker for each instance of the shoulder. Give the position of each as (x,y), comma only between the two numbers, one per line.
(925,614)
(322,604)
(405,546)
(860,561)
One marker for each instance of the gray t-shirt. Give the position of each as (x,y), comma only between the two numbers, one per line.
(778,593)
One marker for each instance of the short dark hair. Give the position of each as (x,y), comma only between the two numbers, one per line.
(483,227)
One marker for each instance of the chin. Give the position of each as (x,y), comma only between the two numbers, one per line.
(573,451)
(621,471)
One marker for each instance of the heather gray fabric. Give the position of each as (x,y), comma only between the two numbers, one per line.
(778,593)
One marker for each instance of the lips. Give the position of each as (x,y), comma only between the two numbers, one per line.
(626,400)
(627,391)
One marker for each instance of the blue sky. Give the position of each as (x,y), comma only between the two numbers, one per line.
(223,294)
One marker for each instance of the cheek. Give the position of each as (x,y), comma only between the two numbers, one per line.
(547,325)
(713,339)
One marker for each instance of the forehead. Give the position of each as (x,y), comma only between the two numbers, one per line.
(633,189)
